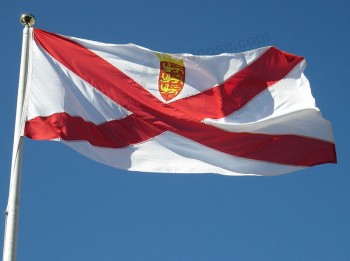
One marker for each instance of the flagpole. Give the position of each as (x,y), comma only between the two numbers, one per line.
(12,210)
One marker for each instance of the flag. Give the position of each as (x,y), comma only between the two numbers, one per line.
(249,113)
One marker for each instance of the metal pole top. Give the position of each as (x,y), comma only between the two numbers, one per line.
(27,20)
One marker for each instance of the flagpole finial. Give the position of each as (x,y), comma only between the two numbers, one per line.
(28,20)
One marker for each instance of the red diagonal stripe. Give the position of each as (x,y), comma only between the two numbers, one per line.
(238,90)
(218,101)
(112,134)
(285,149)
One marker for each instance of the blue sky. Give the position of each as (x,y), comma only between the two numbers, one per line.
(73,208)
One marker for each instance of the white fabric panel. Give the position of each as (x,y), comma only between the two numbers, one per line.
(157,155)
(53,89)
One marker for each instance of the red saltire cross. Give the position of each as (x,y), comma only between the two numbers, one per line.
(151,117)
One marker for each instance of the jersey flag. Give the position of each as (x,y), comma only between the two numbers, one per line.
(249,113)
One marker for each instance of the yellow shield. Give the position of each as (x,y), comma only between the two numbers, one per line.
(171,76)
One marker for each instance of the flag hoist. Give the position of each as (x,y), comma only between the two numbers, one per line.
(12,210)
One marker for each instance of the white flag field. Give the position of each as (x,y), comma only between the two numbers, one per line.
(249,113)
